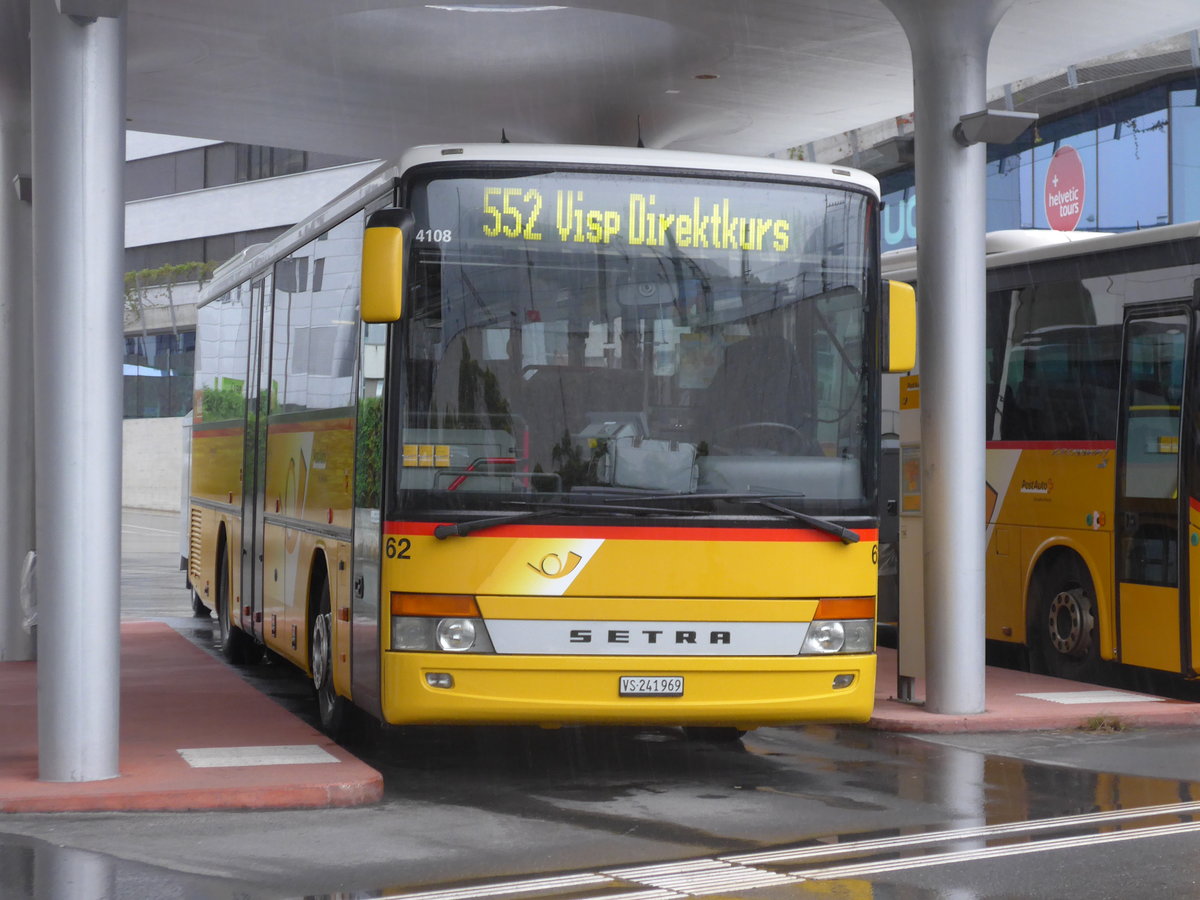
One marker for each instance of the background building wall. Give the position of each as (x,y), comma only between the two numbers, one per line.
(190,205)
(152,467)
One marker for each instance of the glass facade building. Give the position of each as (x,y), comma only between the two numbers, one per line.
(1140,154)
(158,366)
(158,374)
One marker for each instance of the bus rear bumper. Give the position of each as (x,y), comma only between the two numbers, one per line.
(531,690)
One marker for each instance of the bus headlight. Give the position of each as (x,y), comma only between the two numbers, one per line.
(455,635)
(841,625)
(430,623)
(826,636)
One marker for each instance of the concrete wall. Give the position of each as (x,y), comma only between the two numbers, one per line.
(153,464)
(231,208)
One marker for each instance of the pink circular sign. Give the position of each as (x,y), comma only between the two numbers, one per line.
(1066,186)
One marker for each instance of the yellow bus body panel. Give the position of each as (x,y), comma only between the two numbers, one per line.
(309,482)
(1150,626)
(1039,498)
(629,574)
(563,690)
(1193,550)
(217,464)
(730,564)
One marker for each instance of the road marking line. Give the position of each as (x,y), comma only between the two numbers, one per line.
(528,885)
(938,837)
(704,876)
(942,859)
(131,527)
(681,879)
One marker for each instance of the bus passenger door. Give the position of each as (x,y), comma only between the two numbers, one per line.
(258,398)
(1150,522)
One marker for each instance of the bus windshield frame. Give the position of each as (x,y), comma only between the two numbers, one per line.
(576,337)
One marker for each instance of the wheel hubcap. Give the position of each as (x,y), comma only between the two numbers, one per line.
(320,650)
(1069,623)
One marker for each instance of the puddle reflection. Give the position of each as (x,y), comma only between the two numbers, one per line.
(32,869)
(945,789)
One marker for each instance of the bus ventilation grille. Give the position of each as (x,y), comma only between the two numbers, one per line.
(194,528)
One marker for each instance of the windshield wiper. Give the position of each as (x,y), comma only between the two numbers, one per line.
(718,495)
(462,529)
(839,531)
(845,535)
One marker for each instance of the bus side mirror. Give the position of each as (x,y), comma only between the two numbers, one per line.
(386,244)
(899,327)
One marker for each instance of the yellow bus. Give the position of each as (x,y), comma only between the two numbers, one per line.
(549,435)
(1093,466)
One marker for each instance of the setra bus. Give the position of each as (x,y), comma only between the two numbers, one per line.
(1093,464)
(548,435)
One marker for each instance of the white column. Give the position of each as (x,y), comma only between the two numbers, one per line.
(16,352)
(949,41)
(78,92)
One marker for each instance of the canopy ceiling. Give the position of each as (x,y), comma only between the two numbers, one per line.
(365,77)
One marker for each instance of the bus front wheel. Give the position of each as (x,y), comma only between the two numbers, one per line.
(1065,625)
(333,710)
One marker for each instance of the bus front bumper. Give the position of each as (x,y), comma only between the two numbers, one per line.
(563,690)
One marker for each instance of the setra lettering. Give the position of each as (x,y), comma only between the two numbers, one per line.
(652,636)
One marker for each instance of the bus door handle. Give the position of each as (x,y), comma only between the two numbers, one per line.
(359,586)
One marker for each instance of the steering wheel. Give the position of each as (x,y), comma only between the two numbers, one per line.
(790,437)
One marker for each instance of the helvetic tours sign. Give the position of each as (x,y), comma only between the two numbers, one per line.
(1065,187)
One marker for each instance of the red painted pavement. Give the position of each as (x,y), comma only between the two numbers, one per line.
(175,696)
(1007,710)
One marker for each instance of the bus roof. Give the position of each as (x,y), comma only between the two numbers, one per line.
(242,266)
(1017,246)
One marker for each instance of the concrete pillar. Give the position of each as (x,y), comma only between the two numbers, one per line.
(949,41)
(78,88)
(16,349)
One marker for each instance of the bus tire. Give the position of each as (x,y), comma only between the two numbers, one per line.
(713,734)
(236,646)
(199,609)
(1065,633)
(333,710)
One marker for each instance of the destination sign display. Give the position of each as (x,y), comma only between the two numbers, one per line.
(570,209)
(638,218)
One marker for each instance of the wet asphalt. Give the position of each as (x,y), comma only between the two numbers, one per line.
(493,812)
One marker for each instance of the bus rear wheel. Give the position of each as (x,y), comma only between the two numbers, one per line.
(236,646)
(1065,624)
(332,709)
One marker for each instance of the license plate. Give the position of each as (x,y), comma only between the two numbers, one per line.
(651,686)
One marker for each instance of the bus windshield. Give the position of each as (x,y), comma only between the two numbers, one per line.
(590,336)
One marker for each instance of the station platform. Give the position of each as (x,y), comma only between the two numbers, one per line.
(194,736)
(1022,701)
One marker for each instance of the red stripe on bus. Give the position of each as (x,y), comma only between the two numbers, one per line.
(310,425)
(649,533)
(1194,503)
(1052,445)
